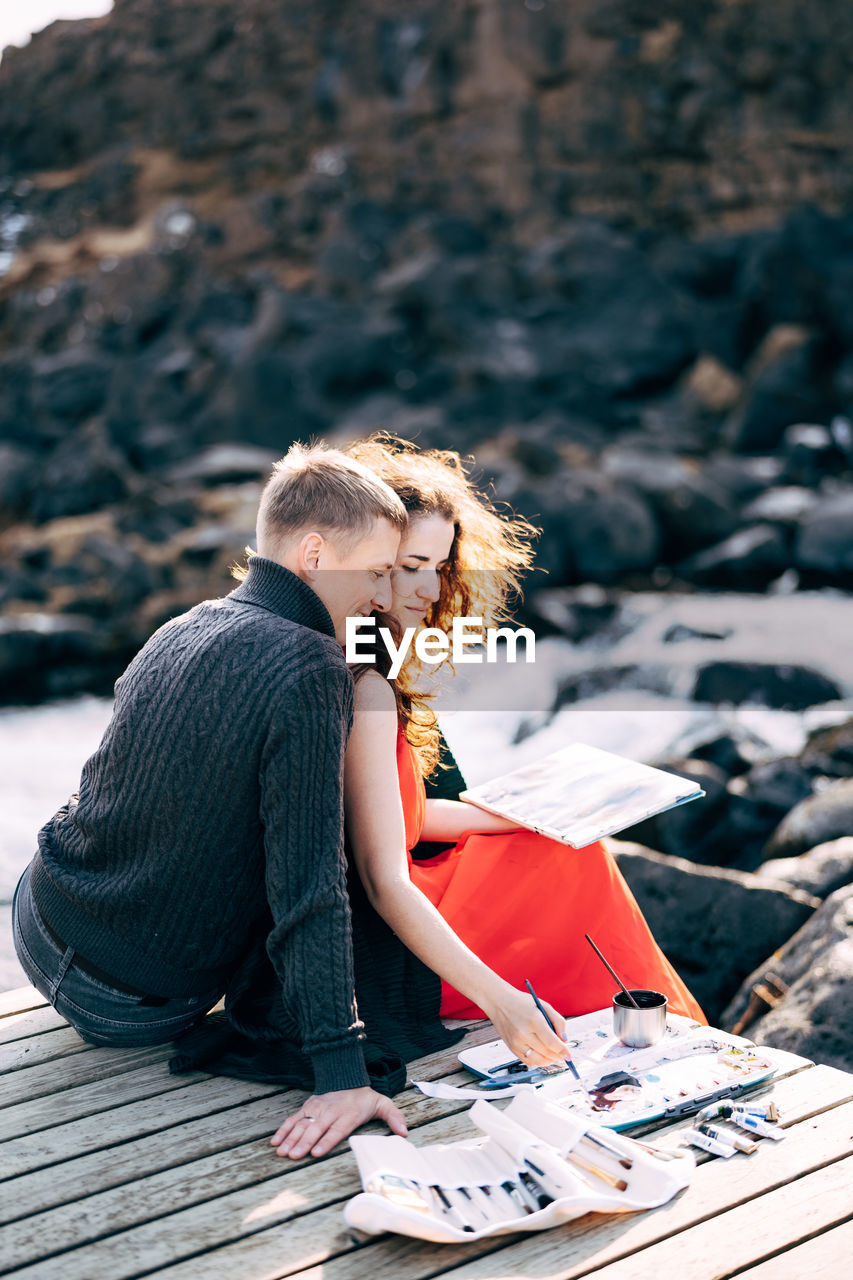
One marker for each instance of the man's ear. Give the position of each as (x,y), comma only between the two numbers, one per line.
(309,553)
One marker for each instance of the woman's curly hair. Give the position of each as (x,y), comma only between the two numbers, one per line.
(488,557)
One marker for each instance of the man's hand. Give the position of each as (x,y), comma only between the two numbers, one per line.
(326,1119)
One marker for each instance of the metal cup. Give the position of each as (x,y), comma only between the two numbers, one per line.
(638,1028)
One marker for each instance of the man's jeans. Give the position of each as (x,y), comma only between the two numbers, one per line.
(97,1012)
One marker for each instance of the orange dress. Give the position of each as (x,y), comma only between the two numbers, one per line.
(523,902)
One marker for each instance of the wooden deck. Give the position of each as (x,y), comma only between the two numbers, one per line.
(112,1169)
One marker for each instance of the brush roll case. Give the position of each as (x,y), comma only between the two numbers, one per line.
(557,1165)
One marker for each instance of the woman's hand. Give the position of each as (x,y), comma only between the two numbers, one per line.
(325,1120)
(521,1026)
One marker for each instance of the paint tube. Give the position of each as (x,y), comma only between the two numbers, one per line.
(756,1125)
(697,1139)
(731,1139)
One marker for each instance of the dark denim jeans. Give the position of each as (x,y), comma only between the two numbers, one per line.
(97,1012)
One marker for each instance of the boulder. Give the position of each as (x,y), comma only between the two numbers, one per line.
(19,477)
(815,1017)
(592,529)
(810,454)
(714,925)
(788,687)
(826,536)
(695,831)
(758,801)
(225,464)
(692,510)
(786,390)
(782,505)
(830,751)
(43,656)
(82,474)
(821,871)
(827,815)
(72,384)
(749,560)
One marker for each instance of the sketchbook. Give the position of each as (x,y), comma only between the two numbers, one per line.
(579,794)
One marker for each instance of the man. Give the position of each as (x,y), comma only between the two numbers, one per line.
(215,797)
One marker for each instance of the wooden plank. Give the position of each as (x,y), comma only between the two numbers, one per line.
(29,1046)
(181,1136)
(47,1047)
(88,1099)
(588,1243)
(747,1234)
(145,1137)
(19,999)
(187,1130)
(125,1123)
(238,1192)
(826,1257)
(16,1026)
(71,1071)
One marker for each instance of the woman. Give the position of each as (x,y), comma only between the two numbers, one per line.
(502,904)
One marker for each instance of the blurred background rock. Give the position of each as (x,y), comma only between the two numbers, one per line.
(605,248)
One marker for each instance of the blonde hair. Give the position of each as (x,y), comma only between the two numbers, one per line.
(314,487)
(488,557)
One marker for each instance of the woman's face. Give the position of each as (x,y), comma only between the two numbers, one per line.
(416,576)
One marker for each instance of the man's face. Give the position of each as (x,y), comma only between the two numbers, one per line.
(358,581)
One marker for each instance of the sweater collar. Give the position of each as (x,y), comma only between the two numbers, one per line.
(273,587)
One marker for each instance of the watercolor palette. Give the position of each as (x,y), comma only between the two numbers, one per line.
(690,1067)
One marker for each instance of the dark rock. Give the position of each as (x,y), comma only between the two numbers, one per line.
(16,409)
(826,536)
(584,615)
(815,1018)
(742,478)
(785,507)
(694,830)
(592,531)
(790,688)
(224,464)
(758,801)
(724,751)
(156,514)
(821,871)
(593,682)
(789,389)
(697,913)
(82,474)
(73,384)
(810,454)
(678,632)
(610,534)
(692,511)
(830,751)
(604,283)
(19,476)
(43,656)
(747,561)
(827,815)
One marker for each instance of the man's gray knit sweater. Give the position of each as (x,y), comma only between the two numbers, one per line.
(215,794)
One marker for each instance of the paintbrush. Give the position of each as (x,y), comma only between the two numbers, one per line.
(611,970)
(540,1006)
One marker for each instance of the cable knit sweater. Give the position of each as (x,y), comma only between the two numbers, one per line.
(216,794)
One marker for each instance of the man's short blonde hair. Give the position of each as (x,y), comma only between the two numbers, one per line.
(316,488)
